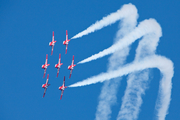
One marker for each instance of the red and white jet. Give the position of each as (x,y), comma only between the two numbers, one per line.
(62,88)
(45,65)
(70,67)
(52,43)
(45,86)
(58,65)
(66,41)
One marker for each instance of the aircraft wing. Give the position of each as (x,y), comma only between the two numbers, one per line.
(64,81)
(61,94)
(52,50)
(44,92)
(72,60)
(47,79)
(70,73)
(66,48)
(58,72)
(46,59)
(66,35)
(53,37)
(44,73)
(59,58)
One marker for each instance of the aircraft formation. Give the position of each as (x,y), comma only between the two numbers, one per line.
(58,65)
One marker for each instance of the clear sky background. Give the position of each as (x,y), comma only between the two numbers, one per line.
(25,32)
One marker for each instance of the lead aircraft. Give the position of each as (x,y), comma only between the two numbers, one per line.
(58,65)
(52,43)
(45,86)
(45,65)
(62,88)
(66,41)
(71,67)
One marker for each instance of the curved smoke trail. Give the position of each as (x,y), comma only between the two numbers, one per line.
(163,64)
(146,28)
(126,10)
(137,82)
(160,62)
(107,97)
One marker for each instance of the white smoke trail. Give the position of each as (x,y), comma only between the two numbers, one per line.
(136,86)
(163,64)
(145,27)
(152,61)
(126,10)
(107,98)
(137,82)
(160,62)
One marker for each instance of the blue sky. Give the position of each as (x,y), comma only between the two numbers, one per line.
(26,30)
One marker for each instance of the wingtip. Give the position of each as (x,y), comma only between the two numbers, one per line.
(47,76)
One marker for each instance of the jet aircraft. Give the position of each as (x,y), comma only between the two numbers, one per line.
(66,41)
(52,43)
(45,86)
(62,88)
(45,65)
(58,65)
(71,67)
